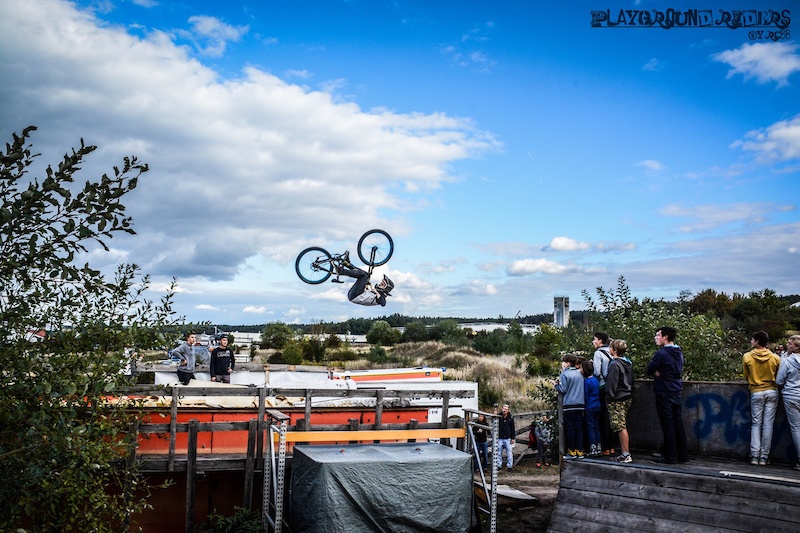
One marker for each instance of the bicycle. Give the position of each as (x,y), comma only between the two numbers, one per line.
(316,265)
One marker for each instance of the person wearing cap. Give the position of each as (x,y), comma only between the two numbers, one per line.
(363,292)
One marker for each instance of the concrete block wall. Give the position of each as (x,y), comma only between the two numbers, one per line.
(716,417)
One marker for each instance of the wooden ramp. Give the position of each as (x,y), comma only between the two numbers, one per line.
(701,496)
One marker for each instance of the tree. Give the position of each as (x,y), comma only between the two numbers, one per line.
(382,333)
(415,332)
(448,331)
(62,441)
(276,335)
(701,337)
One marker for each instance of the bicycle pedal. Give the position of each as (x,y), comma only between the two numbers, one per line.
(337,280)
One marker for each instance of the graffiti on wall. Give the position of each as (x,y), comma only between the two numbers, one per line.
(715,412)
(725,417)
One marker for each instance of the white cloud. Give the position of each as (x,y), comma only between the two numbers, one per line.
(525,267)
(206,307)
(707,217)
(474,288)
(259,310)
(766,62)
(654,65)
(211,35)
(778,142)
(565,244)
(652,165)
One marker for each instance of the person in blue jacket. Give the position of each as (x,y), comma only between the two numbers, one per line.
(570,384)
(591,417)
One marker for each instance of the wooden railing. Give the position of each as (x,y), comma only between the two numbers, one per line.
(270,433)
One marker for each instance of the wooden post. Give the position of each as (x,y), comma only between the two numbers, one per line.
(308,410)
(250,462)
(353,427)
(173,429)
(262,408)
(413,424)
(379,396)
(191,473)
(445,413)
(129,465)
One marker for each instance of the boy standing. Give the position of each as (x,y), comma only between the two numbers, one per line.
(619,391)
(601,360)
(666,367)
(187,357)
(760,370)
(222,362)
(506,435)
(570,384)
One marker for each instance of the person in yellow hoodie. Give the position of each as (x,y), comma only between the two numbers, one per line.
(760,370)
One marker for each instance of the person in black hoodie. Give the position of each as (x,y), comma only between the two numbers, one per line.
(666,367)
(619,391)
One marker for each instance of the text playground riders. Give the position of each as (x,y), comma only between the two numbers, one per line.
(693,18)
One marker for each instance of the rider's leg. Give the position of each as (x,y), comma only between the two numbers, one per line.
(362,278)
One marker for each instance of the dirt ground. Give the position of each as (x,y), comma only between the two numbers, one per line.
(541,483)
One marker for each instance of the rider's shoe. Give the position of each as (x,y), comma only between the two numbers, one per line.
(346,260)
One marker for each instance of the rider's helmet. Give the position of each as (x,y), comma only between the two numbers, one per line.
(388,285)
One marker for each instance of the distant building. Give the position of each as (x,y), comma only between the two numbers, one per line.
(561,311)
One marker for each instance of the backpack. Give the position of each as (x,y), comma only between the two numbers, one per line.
(608,356)
(533,442)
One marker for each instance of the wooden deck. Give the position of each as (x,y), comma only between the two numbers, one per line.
(700,496)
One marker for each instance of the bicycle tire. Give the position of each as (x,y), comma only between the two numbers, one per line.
(383,244)
(308,268)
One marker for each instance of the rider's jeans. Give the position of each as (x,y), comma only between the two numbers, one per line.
(763,405)
(362,278)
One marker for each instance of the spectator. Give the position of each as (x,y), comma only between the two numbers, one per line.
(666,367)
(601,360)
(481,444)
(186,355)
(570,384)
(789,379)
(222,362)
(591,417)
(544,437)
(506,434)
(619,389)
(760,367)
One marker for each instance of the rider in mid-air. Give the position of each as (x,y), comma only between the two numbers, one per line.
(363,292)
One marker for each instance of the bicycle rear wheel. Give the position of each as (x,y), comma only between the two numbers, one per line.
(379,241)
(313,265)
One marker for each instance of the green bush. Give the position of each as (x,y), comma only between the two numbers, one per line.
(242,521)
(377,354)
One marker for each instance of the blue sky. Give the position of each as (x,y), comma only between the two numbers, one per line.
(513,151)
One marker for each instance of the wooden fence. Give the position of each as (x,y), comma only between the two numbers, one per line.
(270,432)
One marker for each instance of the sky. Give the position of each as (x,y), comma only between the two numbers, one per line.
(513,150)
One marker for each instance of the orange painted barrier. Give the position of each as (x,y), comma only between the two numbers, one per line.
(235,441)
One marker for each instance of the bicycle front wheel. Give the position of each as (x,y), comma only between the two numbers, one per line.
(375,247)
(313,265)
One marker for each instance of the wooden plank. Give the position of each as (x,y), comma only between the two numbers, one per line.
(757,504)
(191,475)
(173,423)
(249,469)
(618,508)
(188,392)
(242,426)
(706,482)
(371,434)
(574,517)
